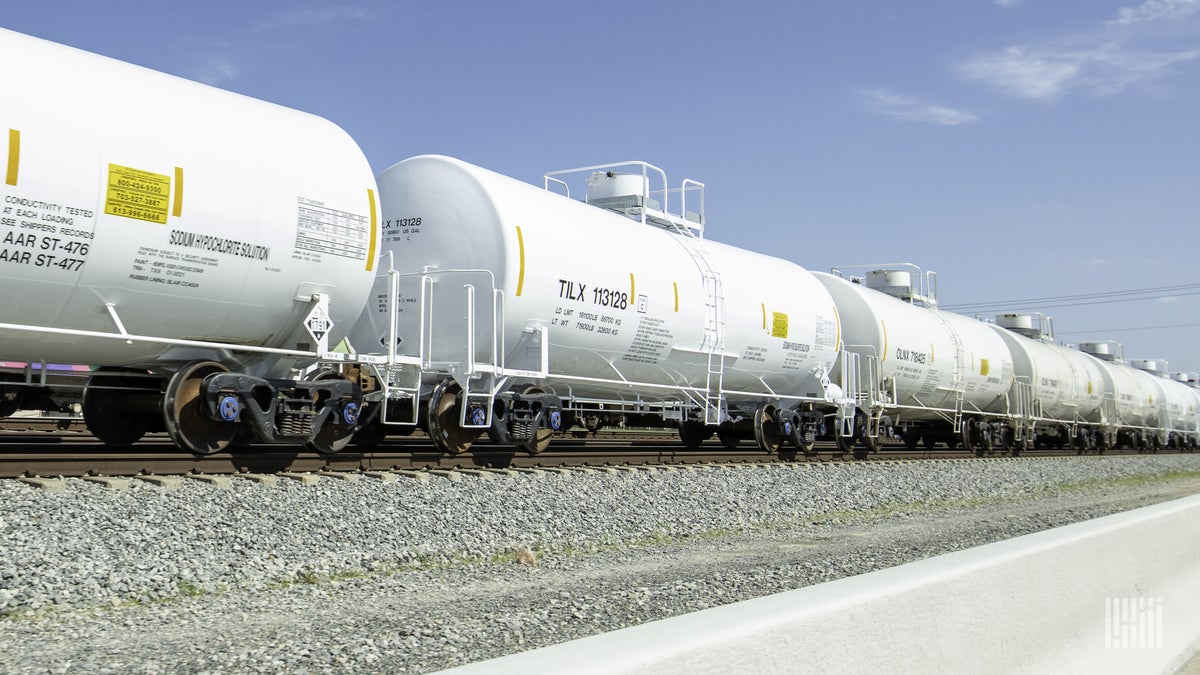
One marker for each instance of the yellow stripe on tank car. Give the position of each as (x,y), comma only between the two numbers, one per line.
(837,319)
(676,285)
(764,309)
(521,272)
(374,229)
(632,290)
(14,156)
(177,202)
(884,327)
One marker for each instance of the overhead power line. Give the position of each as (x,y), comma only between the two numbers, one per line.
(1078,300)
(1118,330)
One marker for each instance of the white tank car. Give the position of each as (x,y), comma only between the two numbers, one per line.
(149,222)
(1066,388)
(1187,423)
(1138,397)
(1175,405)
(525,293)
(931,372)
(1131,397)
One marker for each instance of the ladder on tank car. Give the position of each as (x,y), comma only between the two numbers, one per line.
(689,225)
(713,342)
(960,375)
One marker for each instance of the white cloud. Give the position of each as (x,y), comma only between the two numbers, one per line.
(210,69)
(1024,72)
(913,109)
(1046,73)
(1155,10)
(1126,52)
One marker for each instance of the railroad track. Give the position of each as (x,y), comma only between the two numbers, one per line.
(61,447)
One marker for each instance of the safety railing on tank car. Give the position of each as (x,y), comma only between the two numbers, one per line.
(927,289)
(646,209)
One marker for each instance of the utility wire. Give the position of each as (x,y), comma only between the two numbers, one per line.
(1132,295)
(1118,330)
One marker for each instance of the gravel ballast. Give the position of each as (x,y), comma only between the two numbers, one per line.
(411,577)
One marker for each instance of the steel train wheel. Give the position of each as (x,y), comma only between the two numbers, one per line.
(845,444)
(692,433)
(727,434)
(10,395)
(334,436)
(105,415)
(541,437)
(869,445)
(370,435)
(442,420)
(767,433)
(188,424)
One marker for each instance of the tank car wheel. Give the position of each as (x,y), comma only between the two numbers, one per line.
(692,433)
(104,412)
(10,395)
(442,420)
(334,436)
(845,444)
(370,435)
(911,438)
(971,437)
(541,437)
(767,433)
(872,444)
(728,435)
(1006,441)
(183,411)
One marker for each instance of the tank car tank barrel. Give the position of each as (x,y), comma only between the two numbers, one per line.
(269,254)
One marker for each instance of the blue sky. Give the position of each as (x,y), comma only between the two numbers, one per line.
(1020,148)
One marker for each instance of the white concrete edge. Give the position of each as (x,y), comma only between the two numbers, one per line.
(1032,603)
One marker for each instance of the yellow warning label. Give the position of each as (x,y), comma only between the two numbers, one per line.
(14,156)
(779,325)
(984,367)
(134,193)
(1089,387)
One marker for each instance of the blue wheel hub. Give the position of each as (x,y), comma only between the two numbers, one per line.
(555,420)
(229,408)
(478,416)
(350,413)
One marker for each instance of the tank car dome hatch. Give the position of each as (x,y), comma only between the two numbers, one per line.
(609,189)
(1034,326)
(1015,322)
(1100,350)
(904,281)
(897,283)
(1153,366)
(644,196)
